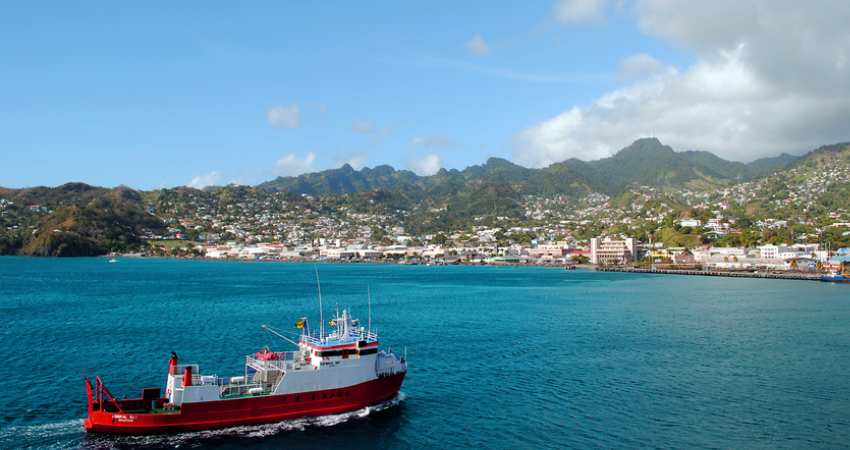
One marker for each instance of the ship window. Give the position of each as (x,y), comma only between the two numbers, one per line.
(297,398)
(368,351)
(314,396)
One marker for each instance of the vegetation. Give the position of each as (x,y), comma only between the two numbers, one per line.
(650,184)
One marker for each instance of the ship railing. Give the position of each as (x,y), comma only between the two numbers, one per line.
(353,335)
(389,363)
(286,361)
(239,390)
(197,378)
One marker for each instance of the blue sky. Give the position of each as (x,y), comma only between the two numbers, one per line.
(156,96)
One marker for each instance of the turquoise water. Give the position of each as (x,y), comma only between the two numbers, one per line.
(499,357)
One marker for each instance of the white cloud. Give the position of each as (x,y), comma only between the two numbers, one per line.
(575,11)
(356,161)
(428,165)
(362,126)
(284,116)
(432,141)
(202,181)
(291,165)
(638,66)
(769,77)
(477,46)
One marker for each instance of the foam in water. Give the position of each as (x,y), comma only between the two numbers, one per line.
(46,435)
(43,430)
(67,434)
(249,431)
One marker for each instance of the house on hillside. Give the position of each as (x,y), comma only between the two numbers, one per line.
(685,257)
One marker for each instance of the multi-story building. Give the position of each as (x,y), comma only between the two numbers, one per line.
(607,251)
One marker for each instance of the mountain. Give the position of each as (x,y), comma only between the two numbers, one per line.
(826,155)
(344,180)
(645,162)
(764,166)
(717,165)
(78,219)
(737,170)
(73,219)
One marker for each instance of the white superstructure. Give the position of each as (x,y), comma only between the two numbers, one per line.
(348,356)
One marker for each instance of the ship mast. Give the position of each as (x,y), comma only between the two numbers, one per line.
(369,301)
(321,316)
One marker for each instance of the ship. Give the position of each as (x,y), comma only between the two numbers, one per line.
(330,373)
(835,277)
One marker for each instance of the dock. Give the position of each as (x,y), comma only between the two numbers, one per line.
(717,273)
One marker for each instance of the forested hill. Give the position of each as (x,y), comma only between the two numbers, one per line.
(645,162)
(78,219)
(74,219)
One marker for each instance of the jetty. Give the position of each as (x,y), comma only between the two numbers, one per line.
(718,273)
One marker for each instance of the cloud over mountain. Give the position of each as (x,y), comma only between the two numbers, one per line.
(427,165)
(769,77)
(291,165)
(208,179)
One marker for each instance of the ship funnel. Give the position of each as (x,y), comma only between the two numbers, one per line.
(187,376)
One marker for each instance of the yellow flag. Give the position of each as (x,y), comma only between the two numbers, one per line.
(332,323)
(299,323)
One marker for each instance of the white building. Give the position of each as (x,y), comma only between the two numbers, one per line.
(607,251)
(769,251)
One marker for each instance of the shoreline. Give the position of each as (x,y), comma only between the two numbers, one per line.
(718,273)
(798,276)
(561,266)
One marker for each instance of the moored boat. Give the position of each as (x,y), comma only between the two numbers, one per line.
(344,370)
(835,277)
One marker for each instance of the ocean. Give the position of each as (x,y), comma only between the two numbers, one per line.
(500,357)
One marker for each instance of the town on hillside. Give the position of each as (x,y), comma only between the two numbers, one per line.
(794,218)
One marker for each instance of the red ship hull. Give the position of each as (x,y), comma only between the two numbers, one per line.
(104,416)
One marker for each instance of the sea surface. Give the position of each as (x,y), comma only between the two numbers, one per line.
(500,357)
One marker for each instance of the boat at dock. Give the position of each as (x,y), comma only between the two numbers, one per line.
(835,277)
(341,371)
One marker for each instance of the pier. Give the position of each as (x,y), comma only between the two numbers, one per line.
(717,273)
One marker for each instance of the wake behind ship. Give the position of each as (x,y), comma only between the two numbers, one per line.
(329,374)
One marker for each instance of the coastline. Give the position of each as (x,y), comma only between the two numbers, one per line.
(798,276)
(719,273)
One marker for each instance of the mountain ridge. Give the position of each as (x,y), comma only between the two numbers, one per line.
(646,161)
(79,219)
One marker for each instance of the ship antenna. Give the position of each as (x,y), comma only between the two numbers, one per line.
(321,316)
(369,300)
